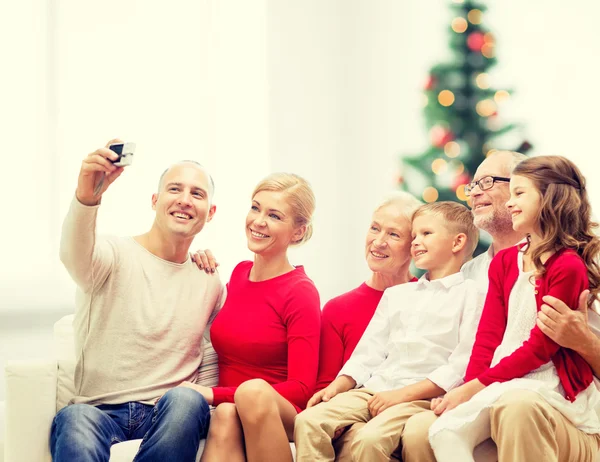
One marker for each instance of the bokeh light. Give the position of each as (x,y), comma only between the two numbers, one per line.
(430,194)
(501,96)
(459,25)
(439,166)
(485,108)
(475,16)
(452,149)
(460,192)
(482,80)
(446,98)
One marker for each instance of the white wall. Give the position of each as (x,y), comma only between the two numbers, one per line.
(548,52)
(330,90)
(28,211)
(183,82)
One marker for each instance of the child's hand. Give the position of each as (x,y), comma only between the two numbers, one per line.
(435,402)
(379,402)
(456,397)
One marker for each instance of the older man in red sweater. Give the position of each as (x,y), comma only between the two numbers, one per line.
(524,426)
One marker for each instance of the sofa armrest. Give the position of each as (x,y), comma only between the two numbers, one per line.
(30,408)
(2,436)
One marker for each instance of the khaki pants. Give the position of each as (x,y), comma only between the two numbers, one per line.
(526,428)
(376,440)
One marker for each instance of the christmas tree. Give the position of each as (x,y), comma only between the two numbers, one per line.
(461,112)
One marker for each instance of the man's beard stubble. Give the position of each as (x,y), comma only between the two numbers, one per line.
(496,223)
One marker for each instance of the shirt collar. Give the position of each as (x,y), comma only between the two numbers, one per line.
(446,282)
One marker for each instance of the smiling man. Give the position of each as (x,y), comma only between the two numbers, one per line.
(141,308)
(489,193)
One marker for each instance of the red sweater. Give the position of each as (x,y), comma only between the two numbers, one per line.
(565,279)
(268,330)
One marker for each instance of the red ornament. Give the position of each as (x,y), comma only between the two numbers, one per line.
(400,179)
(475,41)
(430,83)
(440,136)
(459,180)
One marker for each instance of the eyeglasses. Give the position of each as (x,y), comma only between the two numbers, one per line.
(485,183)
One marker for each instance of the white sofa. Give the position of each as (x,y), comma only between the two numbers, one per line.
(1,431)
(36,390)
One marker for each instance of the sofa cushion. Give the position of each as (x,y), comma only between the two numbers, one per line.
(125,452)
(208,374)
(64,350)
(1,431)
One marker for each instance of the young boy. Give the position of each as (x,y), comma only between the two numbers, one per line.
(415,348)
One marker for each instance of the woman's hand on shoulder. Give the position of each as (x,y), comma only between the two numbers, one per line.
(205,260)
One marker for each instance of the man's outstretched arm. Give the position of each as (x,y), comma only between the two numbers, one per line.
(82,258)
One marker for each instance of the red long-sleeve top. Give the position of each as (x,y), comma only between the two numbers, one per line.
(565,279)
(268,330)
(343,322)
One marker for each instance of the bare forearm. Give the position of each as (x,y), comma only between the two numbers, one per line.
(590,351)
(425,389)
(344,383)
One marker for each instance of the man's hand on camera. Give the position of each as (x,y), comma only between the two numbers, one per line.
(97,168)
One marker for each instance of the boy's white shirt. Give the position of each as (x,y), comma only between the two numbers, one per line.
(421,330)
(477,269)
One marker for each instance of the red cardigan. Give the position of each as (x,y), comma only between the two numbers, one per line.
(565,279)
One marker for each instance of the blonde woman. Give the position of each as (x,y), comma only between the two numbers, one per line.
(267,333)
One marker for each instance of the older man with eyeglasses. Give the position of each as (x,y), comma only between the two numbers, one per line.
(523,424)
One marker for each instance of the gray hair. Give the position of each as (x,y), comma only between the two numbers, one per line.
(405,202)
(514,158)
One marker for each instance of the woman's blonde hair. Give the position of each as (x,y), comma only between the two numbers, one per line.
(299,195)
(564,217)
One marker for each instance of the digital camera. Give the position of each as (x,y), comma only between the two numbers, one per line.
(125,152)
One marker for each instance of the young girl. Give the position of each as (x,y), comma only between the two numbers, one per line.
(549,204)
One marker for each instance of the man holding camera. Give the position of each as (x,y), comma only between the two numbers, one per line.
(141,308)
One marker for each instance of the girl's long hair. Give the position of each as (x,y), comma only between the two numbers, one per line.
(565,214)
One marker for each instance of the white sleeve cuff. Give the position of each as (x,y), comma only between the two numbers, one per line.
(358,374)
(445,377)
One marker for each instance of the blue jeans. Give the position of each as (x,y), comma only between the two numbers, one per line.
(171,430)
